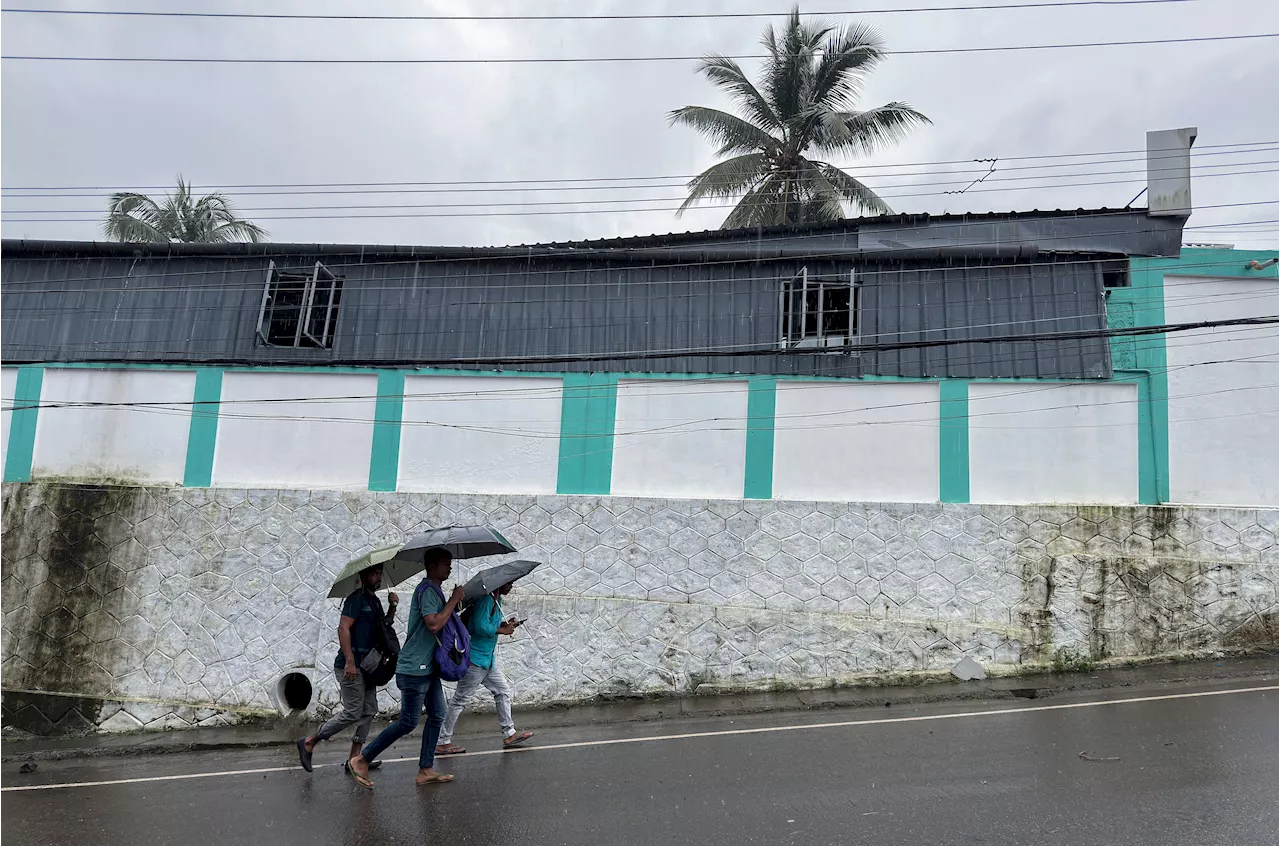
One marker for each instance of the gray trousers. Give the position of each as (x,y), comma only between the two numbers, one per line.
(490,677)
(359,707)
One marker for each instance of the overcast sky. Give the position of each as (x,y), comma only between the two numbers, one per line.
(132,126)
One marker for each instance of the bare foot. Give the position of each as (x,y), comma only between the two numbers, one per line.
(430,776)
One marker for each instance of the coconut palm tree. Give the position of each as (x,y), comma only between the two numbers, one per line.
(802,112)
(180,216)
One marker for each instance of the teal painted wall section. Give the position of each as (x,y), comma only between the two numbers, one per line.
(1207,261)
(202,437)
(953,441)
(22,424)
(388,418)
(762,402)
(587,415)
(1143,360)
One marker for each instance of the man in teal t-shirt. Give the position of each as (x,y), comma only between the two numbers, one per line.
(485,622)
(417,675)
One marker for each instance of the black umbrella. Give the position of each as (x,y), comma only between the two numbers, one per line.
(487,581)
(461,541)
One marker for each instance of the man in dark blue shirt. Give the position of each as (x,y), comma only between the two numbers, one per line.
(357,634)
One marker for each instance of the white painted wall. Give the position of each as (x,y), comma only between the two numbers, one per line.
(475,434)
(141,443)
(8,383)
(306,442)
(1223,426)
(1032,443)
(874,442)
(699,446)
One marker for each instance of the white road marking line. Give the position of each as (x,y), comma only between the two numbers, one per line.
(685,736)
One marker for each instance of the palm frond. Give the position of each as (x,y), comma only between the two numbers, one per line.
(867,132)
(132,218)
(728,178)
(847,57)
(803,104)
(726,75)
(788,71)
(178,217)
(238,230)
(763,206)
(852,190)
(732,133)
(823,208)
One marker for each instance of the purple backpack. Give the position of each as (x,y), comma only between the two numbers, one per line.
(453,643)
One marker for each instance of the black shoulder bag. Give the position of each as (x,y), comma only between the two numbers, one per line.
(379,666)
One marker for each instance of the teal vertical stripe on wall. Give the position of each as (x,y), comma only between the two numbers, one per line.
(762,401)
(587,415)
(953,441)
(388,418)
(202,437)
(1142,304)
(22,424)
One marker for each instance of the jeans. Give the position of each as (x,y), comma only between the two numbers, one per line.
(359,707)
(492,678)
(414,692)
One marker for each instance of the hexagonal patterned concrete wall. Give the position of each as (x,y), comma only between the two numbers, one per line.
(183,606)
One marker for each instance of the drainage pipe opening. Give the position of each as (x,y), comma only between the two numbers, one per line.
(293,693)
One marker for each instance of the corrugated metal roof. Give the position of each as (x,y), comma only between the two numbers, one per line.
(1115,231)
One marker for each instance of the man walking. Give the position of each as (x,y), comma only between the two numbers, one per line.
(417,675)
(485,622)
(358,632)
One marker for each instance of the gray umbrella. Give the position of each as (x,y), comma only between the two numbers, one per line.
(487,581)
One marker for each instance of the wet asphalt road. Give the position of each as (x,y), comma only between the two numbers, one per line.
(1199,770)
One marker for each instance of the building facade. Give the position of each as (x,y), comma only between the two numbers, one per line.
(801,457)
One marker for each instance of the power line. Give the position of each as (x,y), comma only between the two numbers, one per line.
(611,59)
(614,211)
(632,17)
(846,368)
(1199,150)
(616,200)
(681,427)
(505,393)
(774,351)
(965,174)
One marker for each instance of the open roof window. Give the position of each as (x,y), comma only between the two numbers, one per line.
(299,308)
(818,311)
(1115,273)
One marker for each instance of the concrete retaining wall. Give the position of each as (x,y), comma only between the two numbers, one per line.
(164,607)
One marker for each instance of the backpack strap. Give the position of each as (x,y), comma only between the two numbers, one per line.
(417,618)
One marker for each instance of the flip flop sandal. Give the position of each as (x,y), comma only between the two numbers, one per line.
(450,749)
(360,780)
(346,766)
(516,739)
(438,778)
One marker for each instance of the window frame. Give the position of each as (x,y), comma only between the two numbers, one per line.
(275,277)
(792,319)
